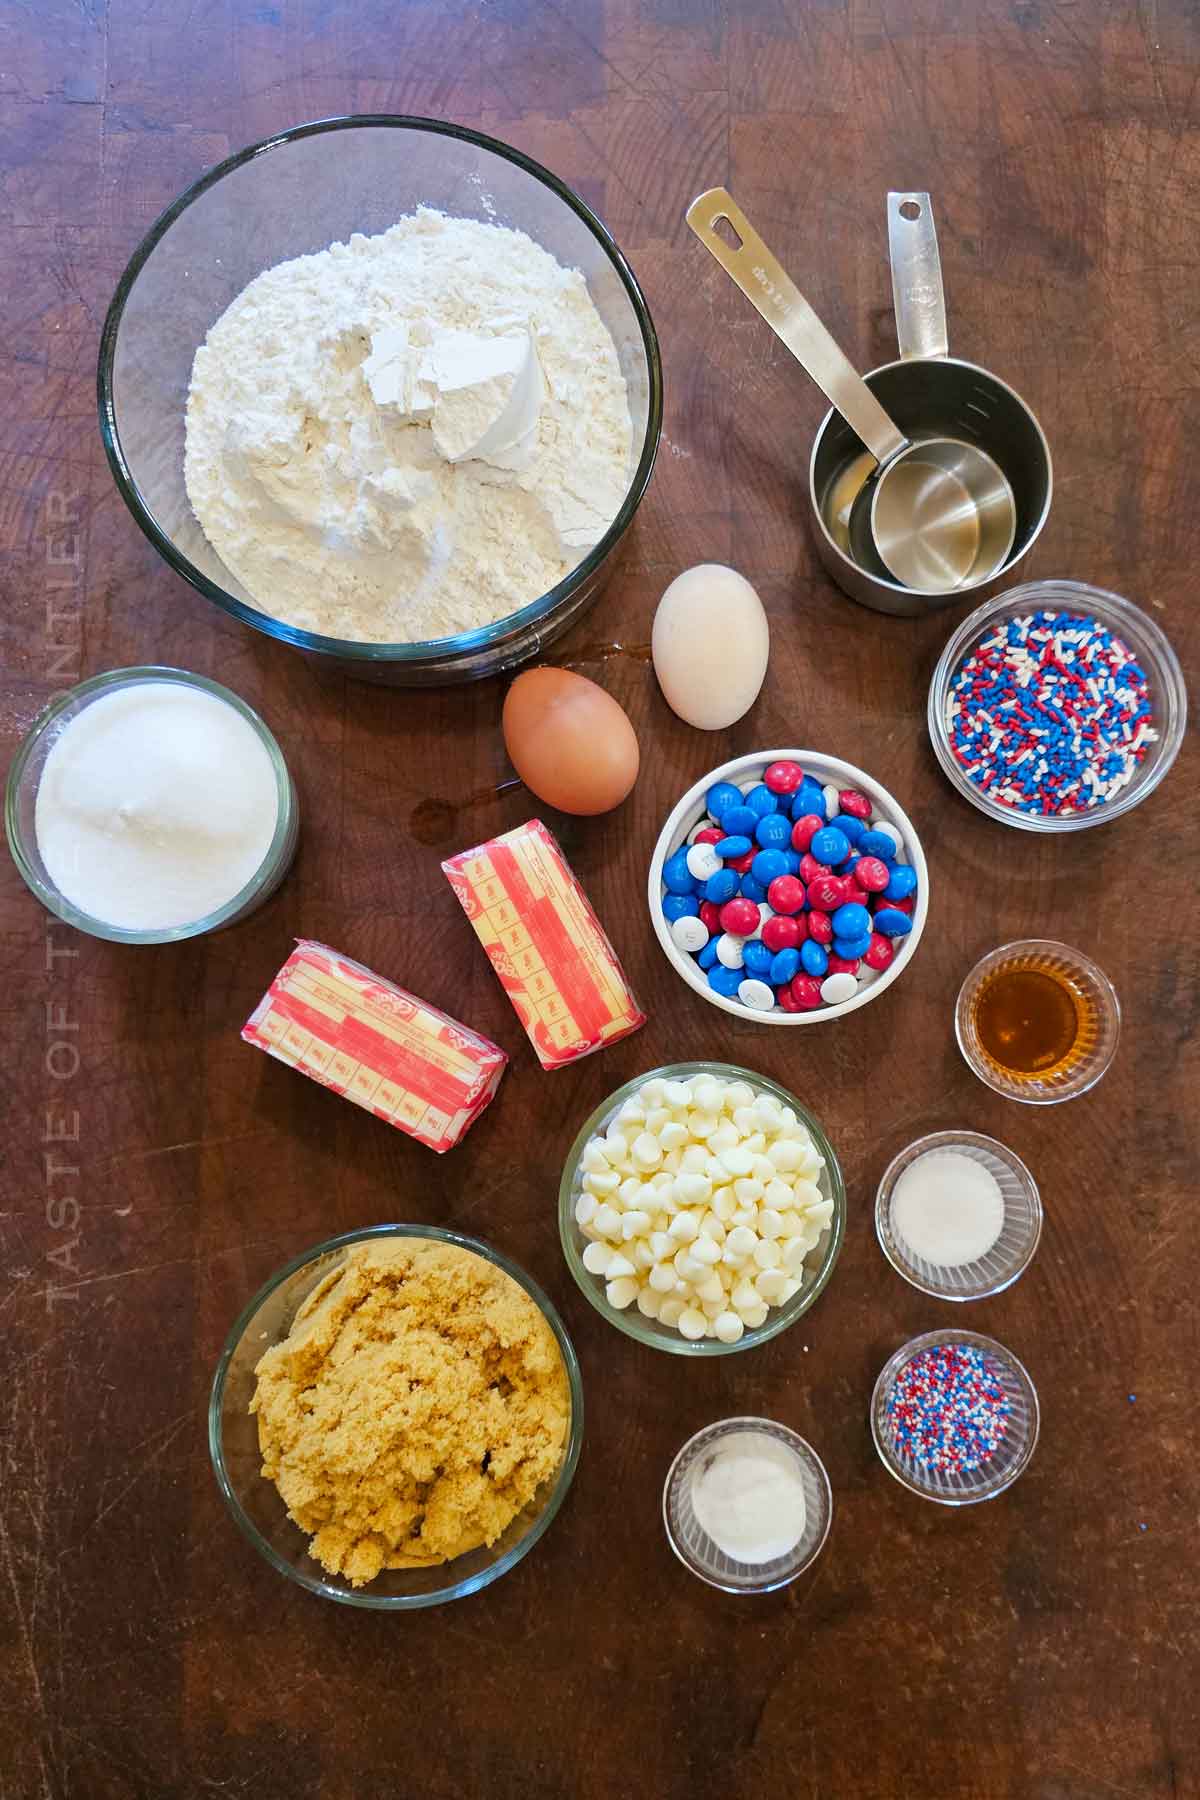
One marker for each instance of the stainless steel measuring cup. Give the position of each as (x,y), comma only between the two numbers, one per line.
(936,514)
(929,394)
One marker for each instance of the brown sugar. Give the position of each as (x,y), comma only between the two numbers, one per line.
(417,1404)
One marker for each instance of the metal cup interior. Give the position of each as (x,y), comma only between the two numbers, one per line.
(943,398)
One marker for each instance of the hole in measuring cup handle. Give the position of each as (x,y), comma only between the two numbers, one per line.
(909,210)
(726,232)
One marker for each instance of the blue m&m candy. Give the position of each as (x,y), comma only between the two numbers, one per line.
(762,801)
(767,865)
(851,921)
(752,890)
(725,981)
(708,956)
(677,877)
(720,797)
(721,887)
(829,846)
(784,964)
(809,797)
(877,843)
(740,821)
(903,883)
(774,831)
(756,957)
(732,846)
(680,906)
(848,825)
(813,958)
(852,949)
(892,922)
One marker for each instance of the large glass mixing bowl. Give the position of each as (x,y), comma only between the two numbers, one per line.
(296,194)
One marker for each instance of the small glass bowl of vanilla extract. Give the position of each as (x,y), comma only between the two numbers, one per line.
(1038,1021)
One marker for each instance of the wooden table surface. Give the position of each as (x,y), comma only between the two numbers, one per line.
(1039,1645)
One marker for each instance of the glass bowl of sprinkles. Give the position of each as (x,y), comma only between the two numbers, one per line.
(954,1417)
(958,1215)
(1057,706)
(1037,1021)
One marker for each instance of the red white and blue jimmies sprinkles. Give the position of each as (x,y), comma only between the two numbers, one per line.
(948,1410)
(1050,713)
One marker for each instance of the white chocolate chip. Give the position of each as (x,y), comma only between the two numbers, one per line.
(596,1258)
(670,1310)
(648,1302)
(728,1327)
(662,1278)
(691,1323)
(585,1209)
(772,1285)
(621,1293)
(741,1241)
(635,1224)
(619,1265)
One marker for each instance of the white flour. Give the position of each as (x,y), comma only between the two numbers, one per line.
(408,436)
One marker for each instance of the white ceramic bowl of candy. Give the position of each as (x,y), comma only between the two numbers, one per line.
(822,855)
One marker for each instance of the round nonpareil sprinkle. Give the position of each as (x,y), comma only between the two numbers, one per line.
(948,1410)
(1051,713)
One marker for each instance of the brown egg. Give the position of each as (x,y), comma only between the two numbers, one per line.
(569,741)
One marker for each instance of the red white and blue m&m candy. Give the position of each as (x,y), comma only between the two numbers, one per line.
(788,894)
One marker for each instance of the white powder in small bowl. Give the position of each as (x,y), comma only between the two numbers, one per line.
(748,1496)
(947,1209)
(157,804)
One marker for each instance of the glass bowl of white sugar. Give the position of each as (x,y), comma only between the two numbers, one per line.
(759,1208)
(958,1215)
(747,1505)
(150,804)
(386,390)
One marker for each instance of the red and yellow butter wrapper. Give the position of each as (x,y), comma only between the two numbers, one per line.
(545,943)
(364,1037)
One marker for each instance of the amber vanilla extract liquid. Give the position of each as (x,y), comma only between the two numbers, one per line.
(1029,1019)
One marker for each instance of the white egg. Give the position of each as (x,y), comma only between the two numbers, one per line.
(710,645)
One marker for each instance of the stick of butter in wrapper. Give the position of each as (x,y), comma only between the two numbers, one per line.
(545,943)
(364,1037)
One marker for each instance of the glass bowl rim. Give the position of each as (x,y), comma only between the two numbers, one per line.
(465,643)
(114,679)
(927,1340)
(674,1343)
(1069,954)
(822,1477)
(685,966)
(316,1584)
(1116,611)
(945,1140)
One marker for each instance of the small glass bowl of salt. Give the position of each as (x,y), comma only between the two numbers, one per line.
(747,1505)
(958,1215)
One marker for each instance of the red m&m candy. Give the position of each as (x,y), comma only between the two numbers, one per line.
(803,829)
(827,892)
(810,868)
(783,998)
(783,777)
(708,836)
(710,916)
(806,992)
(740,917)
(741,864)
(785,894)
(782,933)
(820,927)
(839,965)
(880,952)
(871,874)
(855,804)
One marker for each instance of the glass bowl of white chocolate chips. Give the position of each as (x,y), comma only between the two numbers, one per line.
(702,1209)
(387,390)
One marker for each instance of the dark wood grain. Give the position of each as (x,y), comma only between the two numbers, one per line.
(1044,1645)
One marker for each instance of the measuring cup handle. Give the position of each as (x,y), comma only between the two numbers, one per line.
(759,276)
(916,277)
